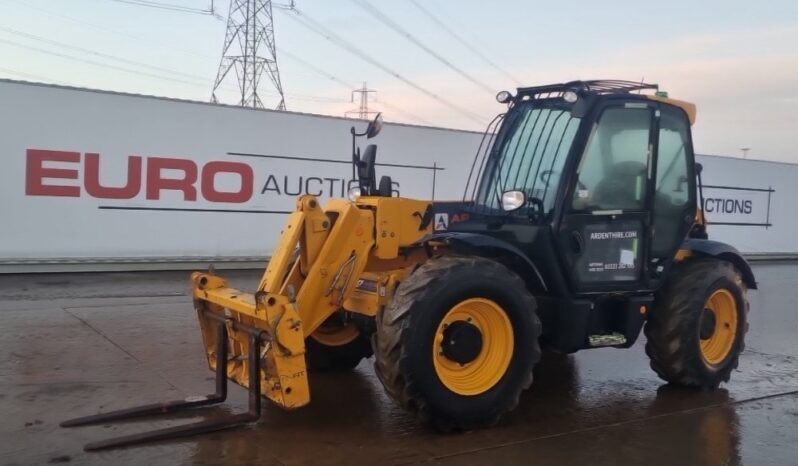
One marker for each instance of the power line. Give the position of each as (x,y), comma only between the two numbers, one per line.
(100,64)
(139,38)
(316,27)
(200,81)
(32,76)
(100,54)
(401,111)
(296,96)
(464,42)
(98,27)
(315,68)
(384,19)
(171,7)
(203,82)
(347,85)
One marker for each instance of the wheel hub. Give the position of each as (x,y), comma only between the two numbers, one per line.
(473,346)
(462,342)
(718,327)
(708,323)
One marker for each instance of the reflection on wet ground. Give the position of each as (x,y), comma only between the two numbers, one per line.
(75,344)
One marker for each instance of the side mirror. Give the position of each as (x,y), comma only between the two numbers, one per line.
(375,126)
(365,171)
(513,200)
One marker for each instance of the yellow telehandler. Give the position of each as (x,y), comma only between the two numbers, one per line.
(579,226)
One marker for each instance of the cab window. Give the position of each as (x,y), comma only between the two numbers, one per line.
(613,170)
(533,155)
(672,161)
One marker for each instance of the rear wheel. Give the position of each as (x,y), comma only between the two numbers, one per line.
(458,342)
(339,344)
(697,327)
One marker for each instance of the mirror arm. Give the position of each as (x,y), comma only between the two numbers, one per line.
(354,155)
(372,130)
(537,213)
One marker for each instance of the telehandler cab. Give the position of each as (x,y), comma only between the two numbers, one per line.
(579,226)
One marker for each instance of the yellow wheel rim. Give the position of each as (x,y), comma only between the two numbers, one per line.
(335,334)
(719,339)
(483,372)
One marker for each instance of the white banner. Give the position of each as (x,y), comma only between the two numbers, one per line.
(97,176)
(738,205)
(749,203)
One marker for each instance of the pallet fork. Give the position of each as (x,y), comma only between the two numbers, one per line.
(256,340)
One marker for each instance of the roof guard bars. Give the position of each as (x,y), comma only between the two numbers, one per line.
(599,86)
(481,158)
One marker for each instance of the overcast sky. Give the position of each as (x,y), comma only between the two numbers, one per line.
(737,60)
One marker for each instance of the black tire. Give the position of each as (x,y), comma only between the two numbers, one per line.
(323,357)
(405,332)
(674,324)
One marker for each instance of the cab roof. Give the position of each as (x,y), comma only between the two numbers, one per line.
(605,87)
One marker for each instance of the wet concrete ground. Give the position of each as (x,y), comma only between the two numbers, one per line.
(72,345)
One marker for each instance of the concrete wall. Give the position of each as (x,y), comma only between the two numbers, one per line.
(94,177)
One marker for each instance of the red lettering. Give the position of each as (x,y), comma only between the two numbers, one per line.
(156,183)
(36,172)
(209,191)
(92,179)
(462,217)
(159,177)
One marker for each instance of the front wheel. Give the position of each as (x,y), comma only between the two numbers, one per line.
(696,330)
(458,342)
(339,344)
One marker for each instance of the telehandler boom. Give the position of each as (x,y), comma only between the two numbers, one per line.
(579,226)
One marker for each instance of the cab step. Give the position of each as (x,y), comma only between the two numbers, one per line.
(612,339)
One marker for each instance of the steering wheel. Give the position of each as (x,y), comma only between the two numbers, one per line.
(545,176)
(611,192)
(618,187)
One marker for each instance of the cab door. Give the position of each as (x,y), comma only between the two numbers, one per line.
(674,194)
(604,236)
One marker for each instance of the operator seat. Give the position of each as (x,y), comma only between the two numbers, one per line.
(619,188)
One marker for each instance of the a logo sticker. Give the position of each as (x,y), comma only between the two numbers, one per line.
(441,222)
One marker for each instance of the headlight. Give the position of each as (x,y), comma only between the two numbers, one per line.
(503,97)
(354,193)
(570,97)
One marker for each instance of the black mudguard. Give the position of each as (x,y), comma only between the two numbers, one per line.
(488,246)
(725,252)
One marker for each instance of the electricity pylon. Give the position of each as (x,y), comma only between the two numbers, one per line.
(250,52)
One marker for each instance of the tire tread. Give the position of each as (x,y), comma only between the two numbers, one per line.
(394,321)
(671,356)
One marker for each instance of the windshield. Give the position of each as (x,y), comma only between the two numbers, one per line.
(529,153)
